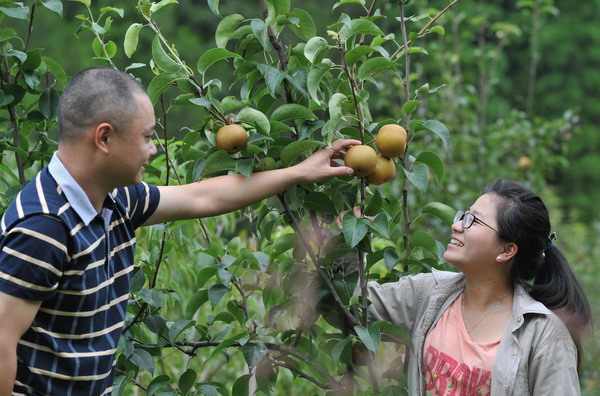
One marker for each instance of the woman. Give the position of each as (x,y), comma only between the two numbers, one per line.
(495,328)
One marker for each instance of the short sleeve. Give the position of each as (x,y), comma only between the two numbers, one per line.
(140,201)
(33,255)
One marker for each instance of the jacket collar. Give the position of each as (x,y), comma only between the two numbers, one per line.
(453,283)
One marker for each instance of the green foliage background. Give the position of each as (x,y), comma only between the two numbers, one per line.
(507,79)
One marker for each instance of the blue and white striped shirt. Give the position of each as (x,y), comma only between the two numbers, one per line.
(55,248)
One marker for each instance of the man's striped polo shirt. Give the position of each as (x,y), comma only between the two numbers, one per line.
(55,248)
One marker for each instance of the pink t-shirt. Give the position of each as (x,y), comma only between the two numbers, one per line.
(455,365)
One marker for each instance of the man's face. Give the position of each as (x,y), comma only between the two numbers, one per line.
(133,145)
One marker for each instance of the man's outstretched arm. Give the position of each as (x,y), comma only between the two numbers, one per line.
(224,194)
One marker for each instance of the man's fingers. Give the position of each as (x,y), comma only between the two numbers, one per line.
(341,143)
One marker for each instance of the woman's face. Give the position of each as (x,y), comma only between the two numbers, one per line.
(479,245)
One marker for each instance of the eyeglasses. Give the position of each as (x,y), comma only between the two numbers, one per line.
(467,220)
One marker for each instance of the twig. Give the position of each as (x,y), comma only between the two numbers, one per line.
(424,28)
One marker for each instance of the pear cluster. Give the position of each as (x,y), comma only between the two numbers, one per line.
(391,141)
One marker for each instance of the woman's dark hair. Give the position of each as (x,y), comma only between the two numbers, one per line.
(523,218)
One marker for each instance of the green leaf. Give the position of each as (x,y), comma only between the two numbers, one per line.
(54,5)
(159,84)
(49,103)
(155,323)
(424,240)
(187,381)
(158,6)
(359,26)
(212,56)
(143,360)
(356,53)
(57,71)
(370,336)
(335,114)
(18,12)
(214,7)
(354,229)
(199,298)
(5,99)
(178,328)
(7,34)
(390,257)
(226,27)
(283,244)
(256,118)
(435,163)
(313,81)
(111,49)
(85,2)
(306,29)
(279,6)
(217,162)
(418,176)
(273,77)
(292,111)
(394,332)
(344,2)
(241,385)
(33,61)
(215,293)
(131,39)
(440,130)
(295,149)
(157,384)
(162,59)
(374,204)
(372,66)
(254,352)
(410,106)
(154,297)
(314,47)
(441,211)
(119,11)
(260,31)
(381,225)
(319,202)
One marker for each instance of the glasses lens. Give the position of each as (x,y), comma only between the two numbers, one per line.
(458,216)
(468,220)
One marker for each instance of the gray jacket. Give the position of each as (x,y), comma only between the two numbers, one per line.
(536,355)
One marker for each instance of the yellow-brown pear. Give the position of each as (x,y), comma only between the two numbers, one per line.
(385,170)
(391,140)
(231,138)
(362,159)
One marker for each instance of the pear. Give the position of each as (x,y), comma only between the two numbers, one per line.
(231,138)
(391,140)
(385,170)
(362,159)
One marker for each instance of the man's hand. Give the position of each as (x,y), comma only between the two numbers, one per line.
(320,166)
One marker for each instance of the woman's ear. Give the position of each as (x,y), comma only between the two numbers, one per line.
(103,133)
(509,250)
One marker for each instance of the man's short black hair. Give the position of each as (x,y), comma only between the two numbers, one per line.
(97,95)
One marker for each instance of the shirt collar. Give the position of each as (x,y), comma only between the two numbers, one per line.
(78,199)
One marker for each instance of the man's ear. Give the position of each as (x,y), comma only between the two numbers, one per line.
(103,133)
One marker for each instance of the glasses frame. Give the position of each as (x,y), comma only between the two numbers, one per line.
(465,223)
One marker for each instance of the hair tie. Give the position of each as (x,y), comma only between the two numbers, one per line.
(549,244)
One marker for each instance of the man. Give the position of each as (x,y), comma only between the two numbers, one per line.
(68,239)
